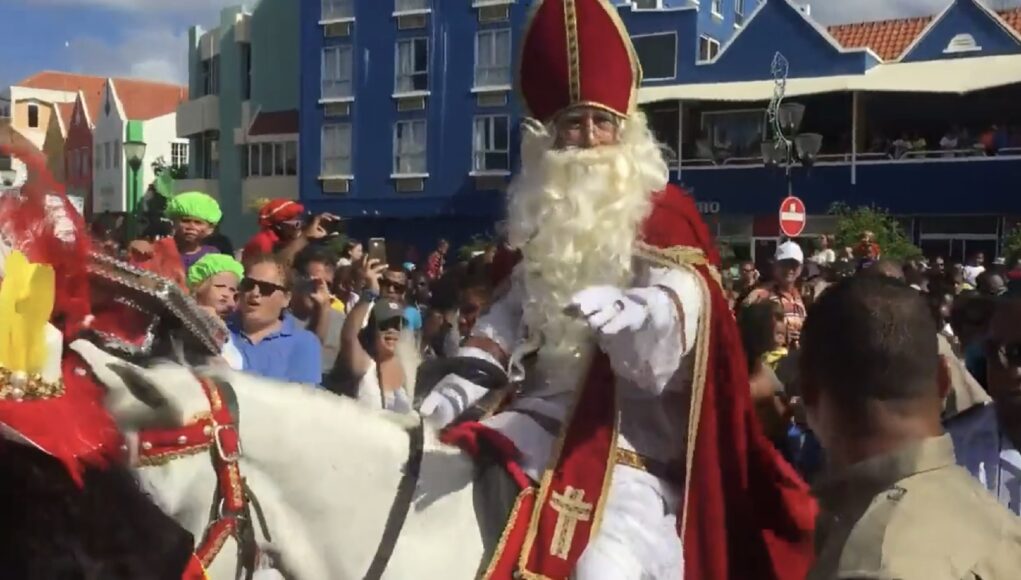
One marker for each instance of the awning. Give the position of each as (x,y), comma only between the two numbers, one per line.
(958,76)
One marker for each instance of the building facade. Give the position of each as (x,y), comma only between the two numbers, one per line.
(916,116)
(132,110)
(241,116)
(409,117)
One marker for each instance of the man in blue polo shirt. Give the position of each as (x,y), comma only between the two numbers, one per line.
(272,343)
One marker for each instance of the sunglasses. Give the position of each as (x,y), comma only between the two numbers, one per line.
(395,323)
(265,288)
(400,288)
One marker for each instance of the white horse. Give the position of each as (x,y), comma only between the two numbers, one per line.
(324,470)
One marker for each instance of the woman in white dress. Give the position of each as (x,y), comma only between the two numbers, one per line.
(213,281)
(377,352)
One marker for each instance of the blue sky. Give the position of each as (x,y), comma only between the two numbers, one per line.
(148,38)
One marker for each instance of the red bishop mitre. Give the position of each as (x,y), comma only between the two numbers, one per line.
(577,53)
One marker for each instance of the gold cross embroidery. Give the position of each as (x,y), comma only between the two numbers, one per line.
(571,509)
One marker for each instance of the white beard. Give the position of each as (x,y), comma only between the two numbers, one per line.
(575,215)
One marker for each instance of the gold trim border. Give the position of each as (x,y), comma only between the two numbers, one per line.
(501,546)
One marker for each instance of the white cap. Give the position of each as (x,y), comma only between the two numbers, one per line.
(790,251)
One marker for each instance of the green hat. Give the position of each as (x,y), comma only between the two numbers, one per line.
(211,265)
(195,204)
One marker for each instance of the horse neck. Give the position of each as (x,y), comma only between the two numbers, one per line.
(303,439)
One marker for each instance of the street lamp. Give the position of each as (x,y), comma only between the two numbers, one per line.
(134,152)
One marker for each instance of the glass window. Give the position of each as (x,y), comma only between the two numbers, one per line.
(412,65)
(336,149)
(336,72)
(117,154)
(33,116)
(279,159)
(410,148)
(647,4)
(179,154)
(708,48)
(491,144)
(734,133)
(98,157)
(107,156)
(267,159)
(337,9)
(717,7)
(738,11)
(493,58)
(291,157)
(657,54)
(410,5)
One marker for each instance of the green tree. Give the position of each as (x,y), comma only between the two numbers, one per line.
(853,221)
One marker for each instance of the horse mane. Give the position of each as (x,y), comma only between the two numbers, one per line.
(107,529)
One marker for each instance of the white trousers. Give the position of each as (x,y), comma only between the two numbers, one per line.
(638,537)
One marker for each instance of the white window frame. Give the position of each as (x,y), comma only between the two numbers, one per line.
(488,125)
(400,75)
(739,7)
(414,125)
(407,7)
(342,159)
(344,52)
(709,52)
(716,8)
(277,158)
(177,158)
(336,11)
(493,37)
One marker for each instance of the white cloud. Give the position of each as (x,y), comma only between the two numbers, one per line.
(841,11)
(154,52)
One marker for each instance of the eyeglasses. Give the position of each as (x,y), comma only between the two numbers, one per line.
(397,286)
(265,288)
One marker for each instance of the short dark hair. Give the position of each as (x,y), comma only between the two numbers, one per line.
(871,338)
(314,255)
(756,323)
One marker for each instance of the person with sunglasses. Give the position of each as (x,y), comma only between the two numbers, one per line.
(377,356)
(272,343)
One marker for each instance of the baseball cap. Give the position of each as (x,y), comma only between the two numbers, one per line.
(790,251)
(384,311)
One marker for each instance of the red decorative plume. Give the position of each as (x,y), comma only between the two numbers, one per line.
(71,425)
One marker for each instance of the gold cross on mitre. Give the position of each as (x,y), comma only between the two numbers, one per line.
(26,302)
(571,509)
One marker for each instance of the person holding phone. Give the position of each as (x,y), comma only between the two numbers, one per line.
(377,353)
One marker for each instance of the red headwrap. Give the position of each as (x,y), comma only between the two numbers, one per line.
(278,211)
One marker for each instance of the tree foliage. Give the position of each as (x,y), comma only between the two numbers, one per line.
(890,235)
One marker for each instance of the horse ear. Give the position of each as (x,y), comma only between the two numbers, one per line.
(131,397)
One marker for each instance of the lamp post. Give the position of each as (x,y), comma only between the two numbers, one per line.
(134,152)
(788,146)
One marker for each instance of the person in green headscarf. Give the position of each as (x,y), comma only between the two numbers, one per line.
(213,281)
(195,216)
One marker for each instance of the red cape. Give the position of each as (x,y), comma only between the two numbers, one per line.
(746,516)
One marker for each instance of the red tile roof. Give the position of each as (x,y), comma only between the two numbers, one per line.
(144,100)
(275,123)
(889,38)
(65,110)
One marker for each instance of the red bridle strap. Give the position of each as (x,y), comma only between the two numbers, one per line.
(217,432)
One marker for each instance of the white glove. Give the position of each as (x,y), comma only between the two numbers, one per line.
(609,310)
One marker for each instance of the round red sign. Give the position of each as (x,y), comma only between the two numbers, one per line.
(793,217)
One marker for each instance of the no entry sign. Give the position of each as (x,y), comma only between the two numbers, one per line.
(792,217)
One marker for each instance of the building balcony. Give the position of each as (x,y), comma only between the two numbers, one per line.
(254,189)
(198,116)
(931,183)
(207,186)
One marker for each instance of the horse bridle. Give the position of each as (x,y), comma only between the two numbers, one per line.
(231,509)
(216,433)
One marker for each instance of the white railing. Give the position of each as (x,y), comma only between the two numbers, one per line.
(935,156)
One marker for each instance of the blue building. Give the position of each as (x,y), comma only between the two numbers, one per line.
(409,116)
